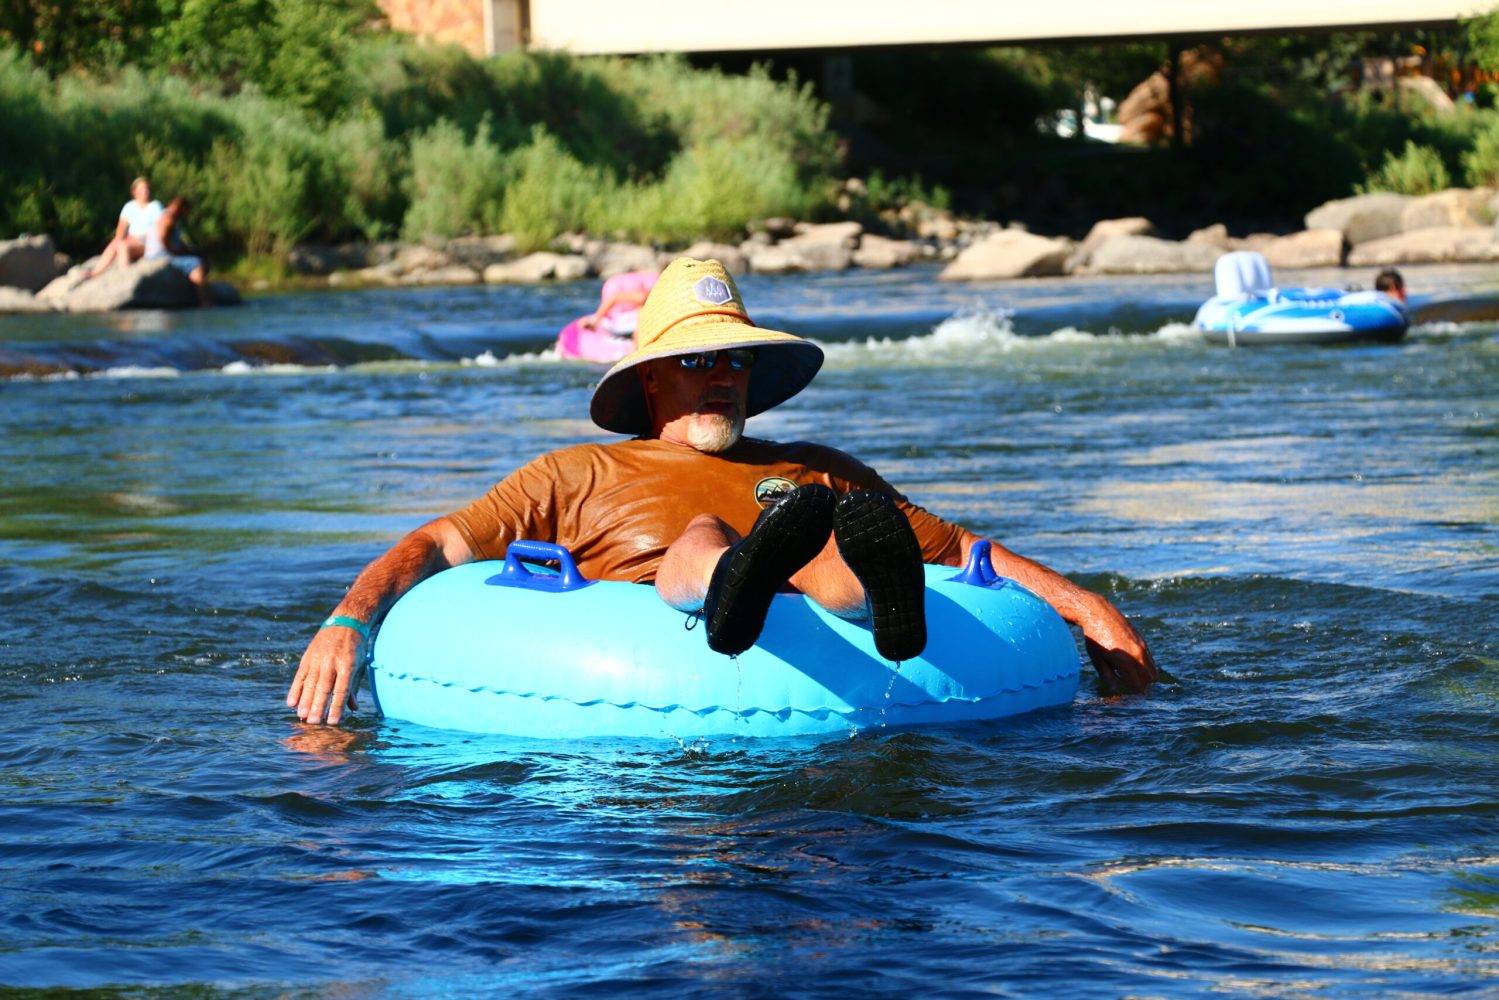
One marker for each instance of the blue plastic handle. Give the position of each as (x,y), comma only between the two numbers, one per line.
(980,569)
(515,573)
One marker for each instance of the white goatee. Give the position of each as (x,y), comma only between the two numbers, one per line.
(712,433)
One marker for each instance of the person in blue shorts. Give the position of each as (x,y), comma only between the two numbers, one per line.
(165,240)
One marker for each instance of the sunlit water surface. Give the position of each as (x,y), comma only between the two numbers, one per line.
(1309,538)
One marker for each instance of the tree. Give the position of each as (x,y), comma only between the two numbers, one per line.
(63,34)
(294,50)
(1483,39)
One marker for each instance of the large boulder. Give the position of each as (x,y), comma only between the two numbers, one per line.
(29,262)
(620,258)
(1215,236)
(774,258)
(148,284)
(323,258)
(537,267)
(415,257)
(478,252)
(453,274)
(1361,218)
(1009,253)
(731,257)
(1149,255)
(939,227)
(826,247)
(1308,248)
(379,275)
(1103,231)
(1452,207)
(19,300)
(1427,246)
(882,252)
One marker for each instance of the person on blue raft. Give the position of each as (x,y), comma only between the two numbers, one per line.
(717,521)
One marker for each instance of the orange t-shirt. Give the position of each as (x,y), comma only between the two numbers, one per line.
(617,506)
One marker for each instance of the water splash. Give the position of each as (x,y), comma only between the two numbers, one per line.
(981,333)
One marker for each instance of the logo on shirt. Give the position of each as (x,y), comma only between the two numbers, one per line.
(771,490)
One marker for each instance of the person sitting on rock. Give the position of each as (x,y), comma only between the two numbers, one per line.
(165,240)
(137,219)
(718,522)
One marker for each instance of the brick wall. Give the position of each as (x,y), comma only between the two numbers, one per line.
(457,21)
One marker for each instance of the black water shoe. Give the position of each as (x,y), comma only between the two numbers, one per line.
(876,541)
(784,539)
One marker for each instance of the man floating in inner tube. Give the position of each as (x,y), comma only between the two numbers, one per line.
(719,522)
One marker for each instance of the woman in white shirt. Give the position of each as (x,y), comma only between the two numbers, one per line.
(137,221)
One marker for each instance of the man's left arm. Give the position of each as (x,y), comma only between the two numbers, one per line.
(1117,650)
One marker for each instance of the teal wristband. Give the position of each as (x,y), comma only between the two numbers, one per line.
(345,621)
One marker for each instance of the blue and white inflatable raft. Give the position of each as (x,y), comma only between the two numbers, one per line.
(506,647)
(1249,310)
(1302,316)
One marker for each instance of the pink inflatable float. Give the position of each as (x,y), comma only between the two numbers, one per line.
(605,335)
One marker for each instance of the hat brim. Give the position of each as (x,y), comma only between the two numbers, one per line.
(785,366)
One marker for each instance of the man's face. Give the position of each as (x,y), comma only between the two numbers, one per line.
(703,407)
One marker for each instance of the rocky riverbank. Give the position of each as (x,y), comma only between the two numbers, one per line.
(1372,230)
(35,278)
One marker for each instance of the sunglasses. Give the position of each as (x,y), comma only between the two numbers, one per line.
(740,359)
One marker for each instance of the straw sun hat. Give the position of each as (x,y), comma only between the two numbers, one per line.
(695,307)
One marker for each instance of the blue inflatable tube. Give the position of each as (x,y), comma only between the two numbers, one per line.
(1302,316)
(494,647)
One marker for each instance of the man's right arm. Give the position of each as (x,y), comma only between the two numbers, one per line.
(324,678)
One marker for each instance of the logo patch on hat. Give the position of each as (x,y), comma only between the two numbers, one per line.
(711,291)
(770,491)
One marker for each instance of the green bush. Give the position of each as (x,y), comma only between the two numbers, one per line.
(260,174)
(375,169)
(426,141)
(296,51)
(552,193)
(715,189)
(705,107)
(99,34)
(1416,170)
(457,185)
(1481,163)
(410,88)
(271,183)
(895,193)
(591,115)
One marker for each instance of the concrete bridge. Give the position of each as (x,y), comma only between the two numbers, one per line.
(639,26)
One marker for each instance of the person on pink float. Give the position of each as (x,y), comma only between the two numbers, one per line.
(620,301)
(137,218)
(605,334)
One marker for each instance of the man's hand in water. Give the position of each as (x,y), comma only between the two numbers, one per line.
(325,681)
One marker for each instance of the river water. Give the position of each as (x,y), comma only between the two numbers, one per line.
(1308,805)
